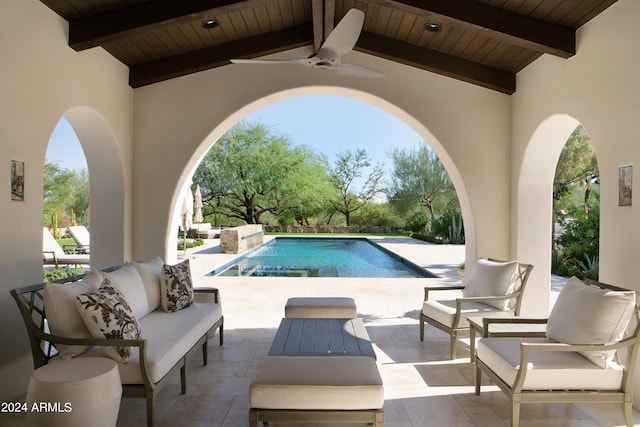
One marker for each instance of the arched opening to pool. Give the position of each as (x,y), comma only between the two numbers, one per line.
(419,128)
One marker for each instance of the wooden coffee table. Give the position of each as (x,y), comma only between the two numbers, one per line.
(313,337)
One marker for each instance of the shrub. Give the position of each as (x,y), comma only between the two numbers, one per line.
(448,228)
(576,251)
(60,273)
(190,243)
(418,222)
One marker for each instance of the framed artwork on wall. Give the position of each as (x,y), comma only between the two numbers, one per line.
(625,181)
(17,180)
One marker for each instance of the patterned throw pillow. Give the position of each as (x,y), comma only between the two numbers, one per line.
(176,287)
(108,315)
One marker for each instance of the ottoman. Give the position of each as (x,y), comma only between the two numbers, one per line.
(76,392)
(321,307)
(317,389)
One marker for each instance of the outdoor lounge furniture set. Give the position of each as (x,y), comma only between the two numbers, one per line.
(146,316)
(316,371)
(586,353)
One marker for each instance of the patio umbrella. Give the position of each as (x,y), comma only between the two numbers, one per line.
(198,205)
(187,213)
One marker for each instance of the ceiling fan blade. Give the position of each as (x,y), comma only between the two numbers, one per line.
(269,61)
(357,71)
(345,35)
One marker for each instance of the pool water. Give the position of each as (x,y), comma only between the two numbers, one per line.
(321,257)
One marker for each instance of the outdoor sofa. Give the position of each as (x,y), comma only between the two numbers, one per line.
(154,319)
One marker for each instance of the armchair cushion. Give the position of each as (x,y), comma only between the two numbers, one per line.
(491,278)
(444,311)
(589,315)
(548,370)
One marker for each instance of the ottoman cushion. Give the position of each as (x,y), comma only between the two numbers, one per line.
(317,383)
(321,307)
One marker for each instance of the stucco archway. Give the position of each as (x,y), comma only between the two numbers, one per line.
(107,187)
(235,117)
(534,207)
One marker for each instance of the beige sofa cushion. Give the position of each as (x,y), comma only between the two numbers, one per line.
(590,315)
(129,283)
(169,336)
(62,316)
(490,278)
(317,383)
(150,272)
(547,370)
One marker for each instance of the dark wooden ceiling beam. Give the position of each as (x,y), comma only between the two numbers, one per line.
(216,56)
(436,62)
(317,16)
(503,25)
(96,30)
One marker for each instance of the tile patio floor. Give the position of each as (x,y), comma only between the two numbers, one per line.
(422,387)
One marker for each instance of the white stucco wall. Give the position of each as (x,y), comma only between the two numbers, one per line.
(177,122)
(599,88)
(42,80)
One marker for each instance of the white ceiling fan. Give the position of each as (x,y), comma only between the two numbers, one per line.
(340,42)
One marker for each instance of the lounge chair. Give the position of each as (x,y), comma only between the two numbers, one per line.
(53,254)
(588,354)
(495,288)
(80,234)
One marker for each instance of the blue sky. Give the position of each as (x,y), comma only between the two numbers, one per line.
(328,124)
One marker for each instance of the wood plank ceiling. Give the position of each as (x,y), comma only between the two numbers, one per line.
(484,42)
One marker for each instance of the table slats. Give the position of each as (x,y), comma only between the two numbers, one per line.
(298,336)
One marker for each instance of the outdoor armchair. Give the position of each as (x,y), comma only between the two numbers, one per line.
(495,288)
(588,354)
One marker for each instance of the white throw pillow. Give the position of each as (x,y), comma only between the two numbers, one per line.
(589,315)
(177,288)
(150,273)
(108,315)
(127,280)
(491,278)
(62,317)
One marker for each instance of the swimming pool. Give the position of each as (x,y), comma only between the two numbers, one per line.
(321,257)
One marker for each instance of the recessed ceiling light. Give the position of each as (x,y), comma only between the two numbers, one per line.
(210,23)
(432,27)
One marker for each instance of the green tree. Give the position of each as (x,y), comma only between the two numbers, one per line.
(420,178)
(312,187)
(376,215)
(577,169)
(66,196)
(250,172)
(349,167)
